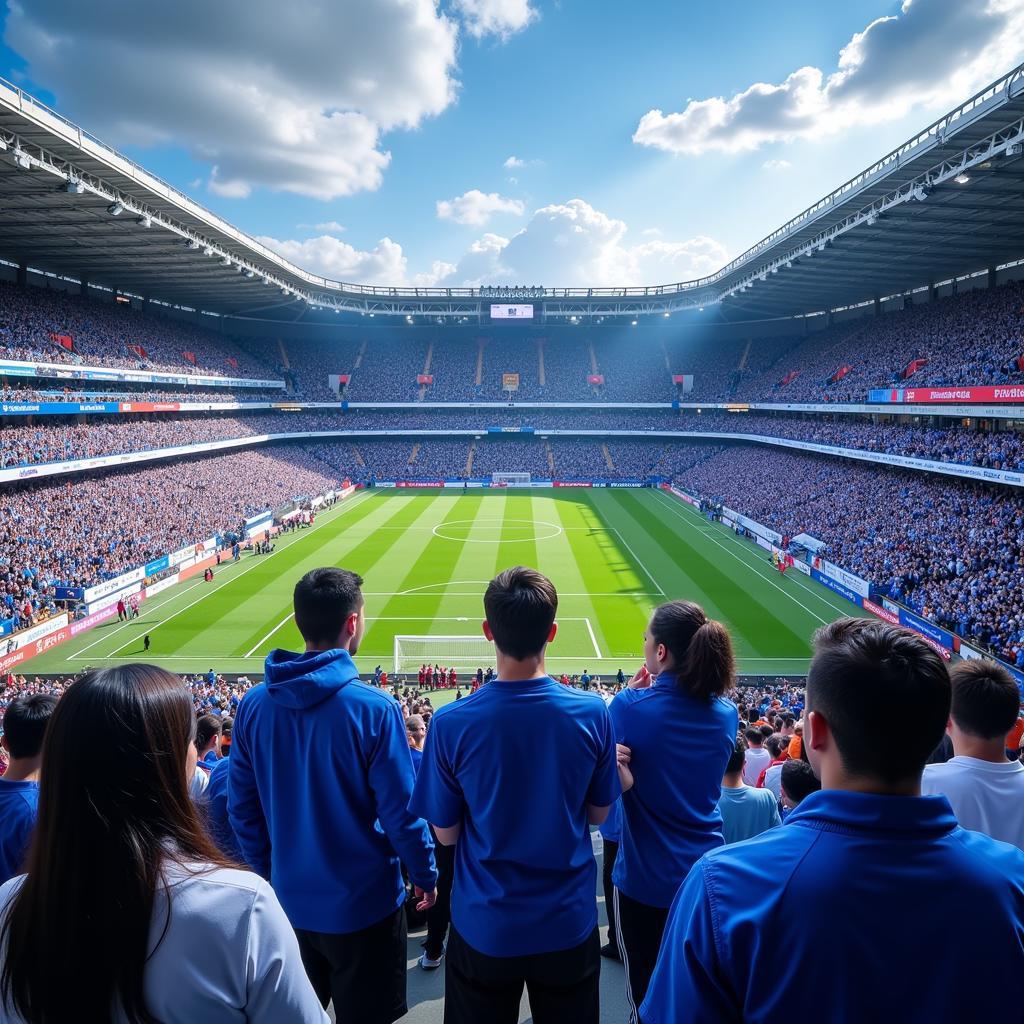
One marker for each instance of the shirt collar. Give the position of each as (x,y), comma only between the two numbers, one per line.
(897,816)
(666,679)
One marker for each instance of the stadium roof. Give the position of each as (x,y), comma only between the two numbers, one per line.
(948,202)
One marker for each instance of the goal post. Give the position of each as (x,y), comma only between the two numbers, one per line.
(511,479)
(460,652)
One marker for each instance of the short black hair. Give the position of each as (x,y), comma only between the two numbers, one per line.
(520,605)
(799,780)
(862,667)
(986,699)
(324,599)
(738,757)
(25,723)
(766,731)
(776,744)
(754,736)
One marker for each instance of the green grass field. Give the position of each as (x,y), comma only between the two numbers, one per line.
(426,558)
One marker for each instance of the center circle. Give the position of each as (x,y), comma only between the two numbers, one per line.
(459,529)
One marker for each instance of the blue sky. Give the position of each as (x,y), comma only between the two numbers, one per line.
(369,140)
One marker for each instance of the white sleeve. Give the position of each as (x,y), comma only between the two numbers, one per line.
(276,984)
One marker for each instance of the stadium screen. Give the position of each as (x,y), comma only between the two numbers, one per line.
(522,312)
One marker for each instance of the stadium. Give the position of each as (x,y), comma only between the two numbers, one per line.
(829,425)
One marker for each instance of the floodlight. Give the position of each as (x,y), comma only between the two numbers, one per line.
(207,251)
(667,315)
(22,159)
(249,273)
(962,179)
(921,192)
(634,323)
(226,262)
(115,209)
(74,187)
(145,221)
(192,244)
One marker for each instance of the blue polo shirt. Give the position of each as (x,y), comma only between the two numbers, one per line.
(877,908)
(18,804)
(680,750)
(517,764)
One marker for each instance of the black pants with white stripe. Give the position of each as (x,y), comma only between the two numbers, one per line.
(640,928)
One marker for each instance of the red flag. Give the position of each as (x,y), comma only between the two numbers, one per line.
(1020,363)
(424,378)
(139,351)
(190,356)
(913,366)
(789,378)
(595,378)
(64,340)
(840,373)
(232,362)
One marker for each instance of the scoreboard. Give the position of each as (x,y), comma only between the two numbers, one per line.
(513,312)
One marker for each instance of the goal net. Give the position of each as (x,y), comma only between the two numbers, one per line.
(460,652)
(511,479)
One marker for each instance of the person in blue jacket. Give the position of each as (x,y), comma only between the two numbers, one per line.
(513,775)
(870,903)
(681,732)
(318,791)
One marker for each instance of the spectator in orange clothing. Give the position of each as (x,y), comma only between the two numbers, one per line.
(796,744)
(1013,739)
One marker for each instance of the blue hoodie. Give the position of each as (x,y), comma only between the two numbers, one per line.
(320,781)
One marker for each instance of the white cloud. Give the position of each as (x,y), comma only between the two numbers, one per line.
(296,103)
(776,165)
(330,227)
(931,54)
(574,245)
(495,17)
(513,162)
(385,264)
(476,208)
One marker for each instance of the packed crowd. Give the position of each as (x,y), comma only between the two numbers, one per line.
(106,334)
(952,551)
(77,534)
(41,443)
(240,885)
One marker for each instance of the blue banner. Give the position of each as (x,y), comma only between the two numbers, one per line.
(158,565)
(885,395)
(926,628)
(510,430)
(827,581)
(55,408)
(68,593)
(6,627)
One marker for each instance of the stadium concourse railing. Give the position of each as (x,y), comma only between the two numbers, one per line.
(853,588)
(98,604)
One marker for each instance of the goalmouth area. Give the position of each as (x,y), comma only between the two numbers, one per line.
(426,557)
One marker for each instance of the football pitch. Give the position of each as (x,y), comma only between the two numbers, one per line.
(426,558)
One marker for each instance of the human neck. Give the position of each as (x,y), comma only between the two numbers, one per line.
(733,781)
(23,769)
(510,670)
(983,750)
(319,648)
(836,777)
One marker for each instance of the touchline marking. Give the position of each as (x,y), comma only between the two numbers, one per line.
(238,575)
(287,618)
(593,639)
(636,558)
(752,568)
(480,593)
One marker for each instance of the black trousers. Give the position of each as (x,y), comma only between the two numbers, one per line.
(363,971)
(611,851)
(564,987)
(439,916)
(640,929)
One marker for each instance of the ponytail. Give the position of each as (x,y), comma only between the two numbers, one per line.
(701,648)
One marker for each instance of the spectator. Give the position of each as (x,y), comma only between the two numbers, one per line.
(680,732)
(25,723)
(746,812)
(796,782)
(984,788)
(208,736)
(146,919)
(771,777)
(319,782)
(523,757)
(757,758)
(416,731)
(611,837)
(894,865)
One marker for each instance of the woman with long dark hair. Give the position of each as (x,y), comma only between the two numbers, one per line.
(128,912)
(680,733)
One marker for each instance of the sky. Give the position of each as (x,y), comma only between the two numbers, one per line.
(535,142)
